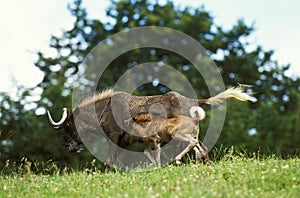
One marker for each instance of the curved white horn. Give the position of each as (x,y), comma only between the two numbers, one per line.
(62,120)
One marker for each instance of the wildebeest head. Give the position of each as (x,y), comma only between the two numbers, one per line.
(71,138)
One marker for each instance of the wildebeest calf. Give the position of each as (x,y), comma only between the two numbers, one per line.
(155,130)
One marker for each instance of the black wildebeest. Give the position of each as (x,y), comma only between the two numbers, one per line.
(109,108)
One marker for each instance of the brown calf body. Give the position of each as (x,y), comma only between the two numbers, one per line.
(155,129)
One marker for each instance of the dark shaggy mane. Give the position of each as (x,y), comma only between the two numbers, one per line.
(101,95)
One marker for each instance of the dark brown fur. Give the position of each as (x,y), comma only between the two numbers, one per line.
(117,106)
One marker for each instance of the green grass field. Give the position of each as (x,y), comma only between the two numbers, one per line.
(229,177)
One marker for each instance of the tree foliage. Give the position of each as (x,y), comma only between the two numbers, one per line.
(270,125)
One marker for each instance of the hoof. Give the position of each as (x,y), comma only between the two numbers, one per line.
(177,162)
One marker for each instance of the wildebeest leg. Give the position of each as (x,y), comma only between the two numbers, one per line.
(112,154)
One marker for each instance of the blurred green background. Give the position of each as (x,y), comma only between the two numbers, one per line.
(271,125)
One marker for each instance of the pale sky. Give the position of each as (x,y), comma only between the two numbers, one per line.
(26,27)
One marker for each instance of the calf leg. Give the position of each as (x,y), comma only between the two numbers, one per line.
(197,153)
(157,154)
(201,153)
(147,153)
(192,143)
(156,159)
(203,156)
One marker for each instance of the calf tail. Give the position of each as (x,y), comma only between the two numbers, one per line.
(197,112)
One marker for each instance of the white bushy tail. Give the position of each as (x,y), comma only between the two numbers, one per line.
(234,92)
